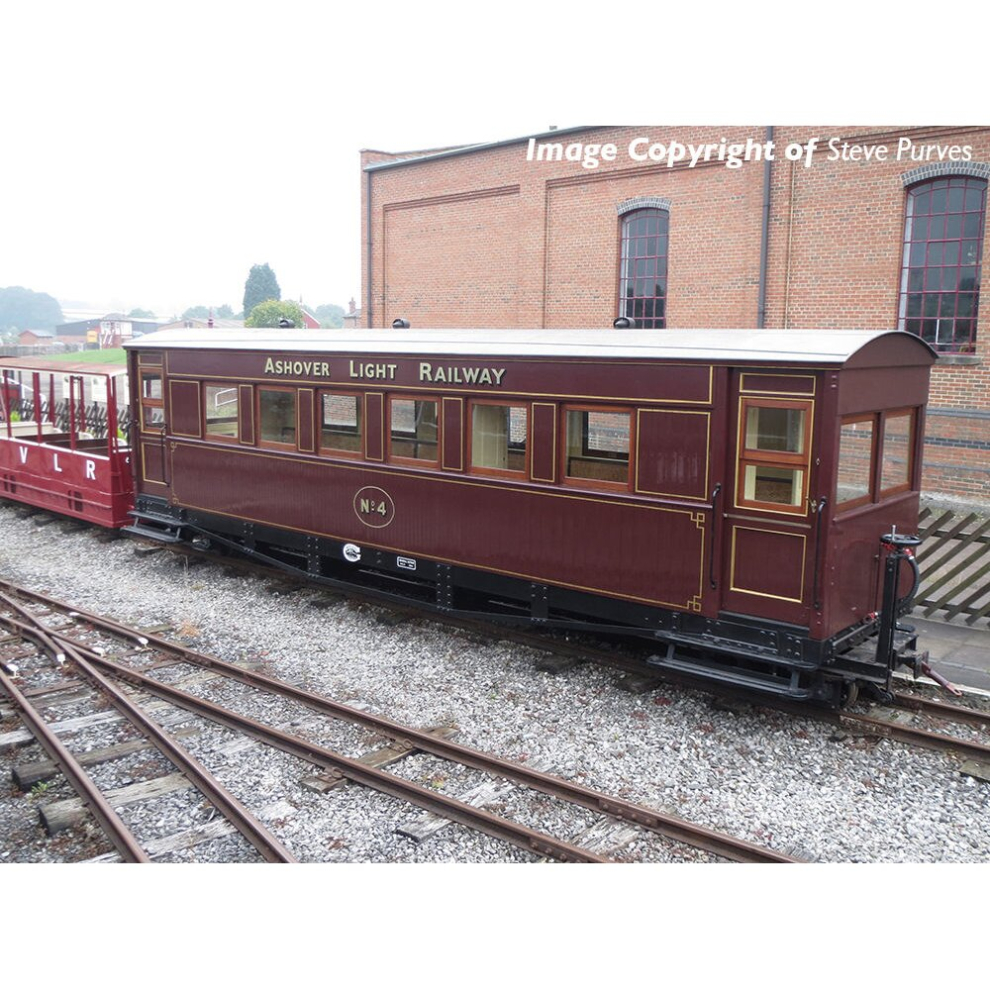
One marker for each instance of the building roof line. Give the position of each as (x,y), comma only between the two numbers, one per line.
(471,148)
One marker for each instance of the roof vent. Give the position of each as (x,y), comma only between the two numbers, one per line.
(401,324)
(624,323)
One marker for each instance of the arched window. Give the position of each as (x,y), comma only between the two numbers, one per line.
(643,268)
(943,249)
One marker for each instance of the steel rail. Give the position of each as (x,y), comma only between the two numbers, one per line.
(942,709)
(116,831)
(670,826)
(915,736)
(379,780)
(267,845)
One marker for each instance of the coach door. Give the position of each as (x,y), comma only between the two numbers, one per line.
(769,507)
(151,425)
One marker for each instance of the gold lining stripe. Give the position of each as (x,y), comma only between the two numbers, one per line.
(199,405)
(312,411)
(460,444)
(740,427)
(449,480)
(764,594)
(495,391)
(758,374)
(552,406)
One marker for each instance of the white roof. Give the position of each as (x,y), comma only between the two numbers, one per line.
(794,346)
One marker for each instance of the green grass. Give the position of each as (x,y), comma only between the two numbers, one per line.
(112,355)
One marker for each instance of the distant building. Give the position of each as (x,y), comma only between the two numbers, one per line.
(352,318)
(202,323)
(36,338)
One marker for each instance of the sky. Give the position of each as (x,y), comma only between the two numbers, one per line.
(154,154)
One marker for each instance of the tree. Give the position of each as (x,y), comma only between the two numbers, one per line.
(140,314)
(330,315)
(24,309)
(269,312)
(196,313)
(261,284)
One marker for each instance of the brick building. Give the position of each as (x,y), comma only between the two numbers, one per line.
(874,228)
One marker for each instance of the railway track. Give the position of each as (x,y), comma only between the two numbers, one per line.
(18,619)
(153,652)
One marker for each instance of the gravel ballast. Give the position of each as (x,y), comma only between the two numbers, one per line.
(792,783)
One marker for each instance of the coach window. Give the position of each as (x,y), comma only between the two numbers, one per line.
(774,440)
(499,435)
(414,432)
(855,484)
(221,411)
(152,407)
(277,415)
(596,447)
(340,424)
(898,442)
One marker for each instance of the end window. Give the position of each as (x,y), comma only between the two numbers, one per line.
(855,485)
(898,442)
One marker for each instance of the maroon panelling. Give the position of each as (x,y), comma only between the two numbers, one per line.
(673,454)
(853,575)
(76,483)
(305,413)
(866,389)
(544,440)
(453,440)
(245,413)
(152,464)
(767,570)
(374,426)
(612,545)
(576,378)
(185,415)
(764,384)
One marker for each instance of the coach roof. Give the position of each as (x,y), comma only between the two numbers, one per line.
(817,347)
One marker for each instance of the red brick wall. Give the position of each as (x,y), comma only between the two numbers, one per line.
(487,239)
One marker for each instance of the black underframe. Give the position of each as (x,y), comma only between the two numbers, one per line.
(745,651)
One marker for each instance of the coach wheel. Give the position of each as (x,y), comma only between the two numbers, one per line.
(850,693)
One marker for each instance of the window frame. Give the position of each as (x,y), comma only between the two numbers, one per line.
(416,462)
(596,483)
(221,438)
(943,242)
(854,503)
(782,460)
(623,280)
(275,444)
(511,475)
(151,403)
(322,451)
(912,413)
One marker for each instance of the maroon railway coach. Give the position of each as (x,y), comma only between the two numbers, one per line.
(723,493)
(60,447)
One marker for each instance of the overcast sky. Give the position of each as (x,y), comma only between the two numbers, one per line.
(152,155)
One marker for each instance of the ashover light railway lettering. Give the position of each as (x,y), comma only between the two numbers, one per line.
(460,376)
(374,370)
